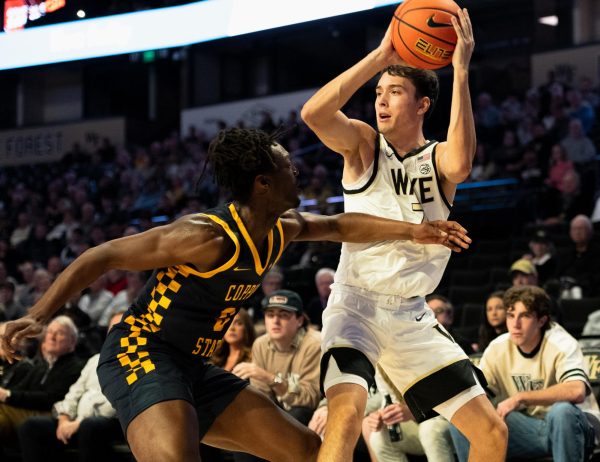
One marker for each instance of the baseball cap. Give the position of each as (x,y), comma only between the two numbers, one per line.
(540,236)
(523,266)
(284,299)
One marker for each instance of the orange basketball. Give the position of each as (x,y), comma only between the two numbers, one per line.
(422,32)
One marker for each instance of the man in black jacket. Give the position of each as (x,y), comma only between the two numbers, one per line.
(53,372)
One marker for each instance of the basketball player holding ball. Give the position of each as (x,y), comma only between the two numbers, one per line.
(376,312)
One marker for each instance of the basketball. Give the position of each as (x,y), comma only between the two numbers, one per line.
(422,32)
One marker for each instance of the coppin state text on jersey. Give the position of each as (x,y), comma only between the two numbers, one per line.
(404,188)
(192,310)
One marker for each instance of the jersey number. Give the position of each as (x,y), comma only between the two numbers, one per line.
(223,319)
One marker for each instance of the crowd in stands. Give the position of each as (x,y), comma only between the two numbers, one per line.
(49,214)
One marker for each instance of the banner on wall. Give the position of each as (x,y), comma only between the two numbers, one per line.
(51,143)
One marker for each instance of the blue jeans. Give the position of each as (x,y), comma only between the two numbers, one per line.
(564,433)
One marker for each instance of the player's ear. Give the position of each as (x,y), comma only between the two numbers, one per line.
(262,182)
(424,104)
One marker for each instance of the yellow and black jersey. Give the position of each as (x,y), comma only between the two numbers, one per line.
(192,310)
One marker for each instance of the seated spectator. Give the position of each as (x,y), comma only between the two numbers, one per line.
(558,166)
(484,166)
(579,148)
(494,321)
(523,273)
(272,281)
(572,200)
(237,343)
(430,438)
(41,282)
(542,256)
(581,262)
(124,298)
(10,308)
(53,372)
(285,361)
(84,419)
(444,313)
(314,309)
(96,300)
(537,373)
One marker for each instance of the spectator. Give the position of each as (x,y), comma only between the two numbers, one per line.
(96,300)
(25,288)
(494,320)
(537,373)
(559,165)
(53,372)
(36,248)
(285,361)
(581,262)
(54,266)
(444,313)
(571,201)
(135,282)
(272,281)
(9,306)
(84,419)
(237,343)
(430,438)
(542,256)
(484,167)
(581,110)
(523,273)
(22,230)
(314,309)
(579,148)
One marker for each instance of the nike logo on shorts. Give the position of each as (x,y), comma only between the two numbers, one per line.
(432,23)
(418,318)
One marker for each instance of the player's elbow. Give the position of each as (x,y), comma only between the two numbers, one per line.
(308,114)
(459,172)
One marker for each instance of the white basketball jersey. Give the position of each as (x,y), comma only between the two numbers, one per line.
(403,188)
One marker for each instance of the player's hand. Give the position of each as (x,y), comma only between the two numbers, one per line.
(373,421)
(13,332)
(319,421)
(447,233)
(465,43)
(387,50)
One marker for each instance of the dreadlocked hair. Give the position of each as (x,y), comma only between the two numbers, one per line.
(237,155)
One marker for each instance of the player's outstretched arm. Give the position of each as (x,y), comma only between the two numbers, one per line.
(359,227)
(176,243)
(456,154)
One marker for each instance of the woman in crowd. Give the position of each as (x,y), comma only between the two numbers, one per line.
(494,321)
(237,343)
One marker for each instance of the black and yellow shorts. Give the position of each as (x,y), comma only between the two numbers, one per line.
(135,375)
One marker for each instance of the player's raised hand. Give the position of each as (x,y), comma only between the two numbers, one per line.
(13,332)
(465,43)
(387,50)
(447,233)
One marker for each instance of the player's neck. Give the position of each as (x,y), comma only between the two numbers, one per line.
(258,221)
(406,142)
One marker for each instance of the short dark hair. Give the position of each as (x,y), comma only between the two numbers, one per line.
(535,299)
(439,297)
(425,81)
(237,155)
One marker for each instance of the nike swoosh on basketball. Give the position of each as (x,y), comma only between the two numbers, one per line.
(241,269)
(432,23)
(418,318)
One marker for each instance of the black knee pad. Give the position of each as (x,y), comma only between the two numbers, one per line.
(349,361)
